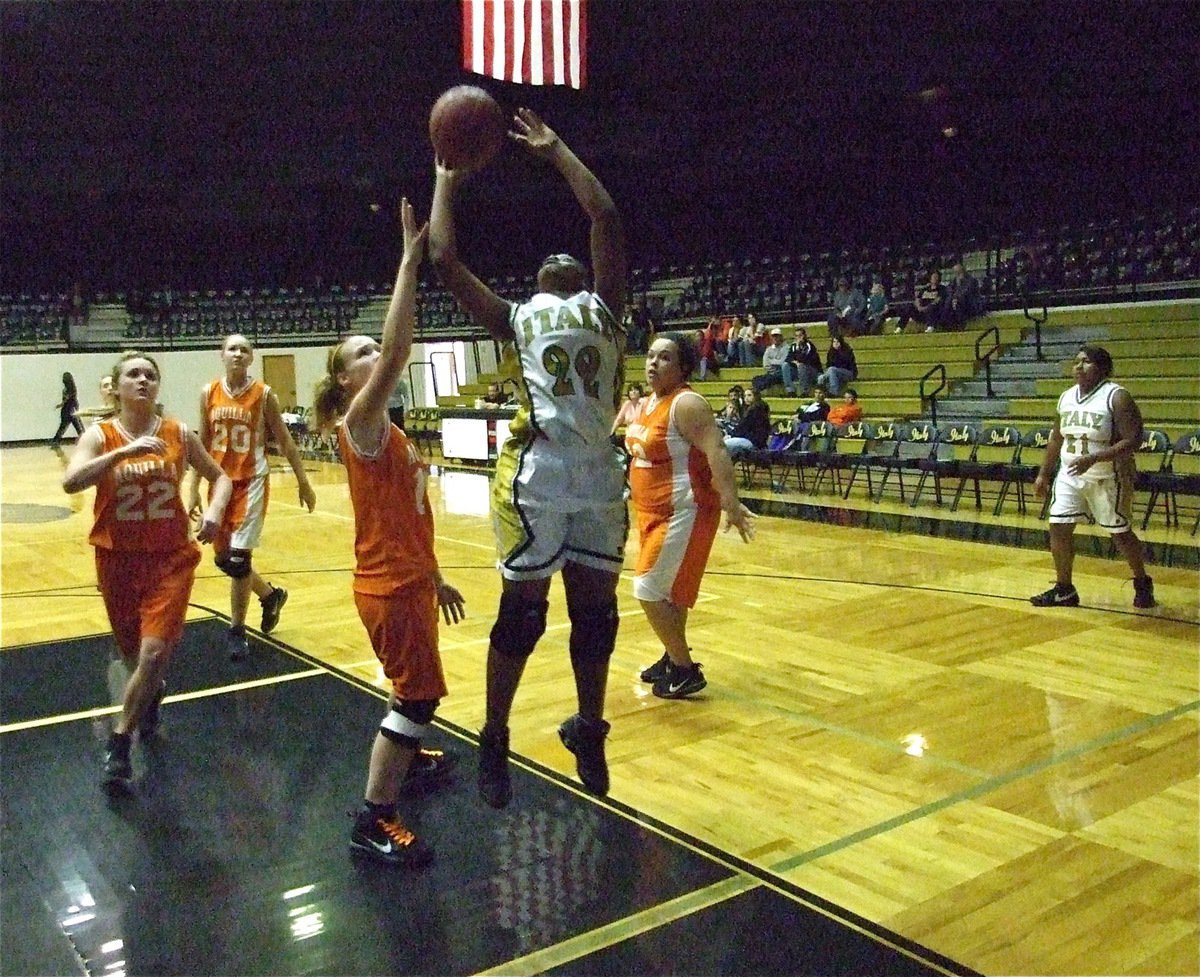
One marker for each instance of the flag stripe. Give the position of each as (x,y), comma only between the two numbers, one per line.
(533,42)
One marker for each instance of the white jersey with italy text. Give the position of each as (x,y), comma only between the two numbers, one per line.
(568,370)
(1086,424)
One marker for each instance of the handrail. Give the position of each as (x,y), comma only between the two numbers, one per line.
(932,396)
(987,357)
(1037,324)
(453,370)
(412,382)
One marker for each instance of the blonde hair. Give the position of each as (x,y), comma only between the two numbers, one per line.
(330,399)
(133,354)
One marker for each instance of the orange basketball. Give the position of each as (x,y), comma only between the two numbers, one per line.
(466,127)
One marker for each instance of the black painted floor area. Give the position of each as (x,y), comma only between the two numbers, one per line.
(231,857)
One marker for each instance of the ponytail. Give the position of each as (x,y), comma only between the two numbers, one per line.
(330,400)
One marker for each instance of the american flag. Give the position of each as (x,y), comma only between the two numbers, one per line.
(531,42)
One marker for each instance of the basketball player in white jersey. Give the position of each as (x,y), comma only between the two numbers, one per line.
(1096,432)
(559,496)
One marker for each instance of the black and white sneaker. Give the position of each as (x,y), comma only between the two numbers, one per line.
(585,738)
(118,767)
(385,839)
(656,671)
(236,645)
(1057,596)
(272,605)
(680,682)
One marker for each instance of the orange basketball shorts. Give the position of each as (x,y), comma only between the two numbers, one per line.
(403,628)
(146,594)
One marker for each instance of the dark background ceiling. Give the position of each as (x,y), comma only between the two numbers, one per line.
(223,143)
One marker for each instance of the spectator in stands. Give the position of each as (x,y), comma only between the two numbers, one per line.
(706,341)
(1096,431)
(877,308)
(754,428)
(629,407)
(774,356)
(849,309)
(741,344)
(761,339)
(802,365)
(840,366)
(818,410)
(965,299)
(726,331)
(496,395)
(731,414)
(67,406)
(931,305)
(848,410)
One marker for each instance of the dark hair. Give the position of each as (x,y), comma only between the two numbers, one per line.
(689,357)
(1101,357)
(852,392)
(69,385)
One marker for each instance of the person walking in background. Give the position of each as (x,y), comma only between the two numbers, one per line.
(1096,431)
(398,588)
(841,367)
(67,406)
(236,412)
(681,480)
(558,498)
(145,556)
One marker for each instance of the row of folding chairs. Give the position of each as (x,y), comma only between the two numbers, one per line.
(913,455)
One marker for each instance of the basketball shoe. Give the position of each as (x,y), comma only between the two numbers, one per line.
(385,839)
(1143,592)
(272,604)
(429,767)
(118,767)
(585,738)
(148,725)
(657,670)
(680,682)
(1057,596)
(236,644)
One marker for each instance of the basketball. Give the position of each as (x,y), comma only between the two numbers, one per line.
(466,127)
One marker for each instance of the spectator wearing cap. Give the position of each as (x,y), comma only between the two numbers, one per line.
(774,359)
(849,309)
(802,366)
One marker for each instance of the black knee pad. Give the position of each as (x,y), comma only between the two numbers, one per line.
(235,563)
(408,721)
(519,625)
(593,630)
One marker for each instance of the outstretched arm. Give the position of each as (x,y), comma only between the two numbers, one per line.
(480,302)
(370,403)
(283,438)
(609,267)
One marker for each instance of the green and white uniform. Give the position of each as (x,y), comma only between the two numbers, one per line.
(559,492)
(1105,491)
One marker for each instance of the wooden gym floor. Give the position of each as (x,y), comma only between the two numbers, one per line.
(899,765)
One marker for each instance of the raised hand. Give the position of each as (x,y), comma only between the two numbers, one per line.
(533,133)
(414,237)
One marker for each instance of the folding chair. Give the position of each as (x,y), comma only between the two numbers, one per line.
(923,434)
(1156,444)
(888,460)
(878,452)
(1034,445)
(811,448)
(997,448)
(853,441)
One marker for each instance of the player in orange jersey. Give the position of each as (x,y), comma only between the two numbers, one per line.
(145,556)
(236,413)
(681,480)
(397,586)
